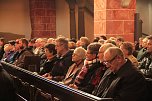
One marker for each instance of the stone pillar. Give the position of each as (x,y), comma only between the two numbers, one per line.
(114,18)
(81,23)
(43,18)
(72,18)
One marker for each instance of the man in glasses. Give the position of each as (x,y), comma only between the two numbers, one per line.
(121,81)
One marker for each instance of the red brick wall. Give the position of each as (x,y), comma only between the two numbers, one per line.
(117,21)
(43,18)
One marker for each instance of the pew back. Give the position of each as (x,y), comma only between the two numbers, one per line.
(33,87)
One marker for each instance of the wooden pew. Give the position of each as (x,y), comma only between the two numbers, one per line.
(33,87)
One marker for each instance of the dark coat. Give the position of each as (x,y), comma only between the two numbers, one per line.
(127,84)
(146,65)
(1,51)
(141,54)
(48,65)
(85,84)
(7,90)
(21,57)
(61,66)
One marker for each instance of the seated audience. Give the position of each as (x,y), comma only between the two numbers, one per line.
(51,41)
(103,37)
(63,62)
(121,81)
(50,53)
(84,42)
(7,88)
(39,44)
(96,77)
(91,64)
(31,44)
(101,41)
(9,51)
(146,63)
(110,41)
(22,52)
(127,49)
(78,59)
(78,43)
(142,51)
(119,41)
(72,45)
(16,52)
(96,39)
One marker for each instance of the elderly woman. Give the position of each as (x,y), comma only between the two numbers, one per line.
(78,59)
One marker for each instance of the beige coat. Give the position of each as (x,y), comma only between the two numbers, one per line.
(73,71)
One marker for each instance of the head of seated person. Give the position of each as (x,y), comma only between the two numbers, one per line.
(92,51)
(50,51)
(78,55)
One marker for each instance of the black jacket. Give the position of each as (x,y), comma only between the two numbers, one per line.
(127,84)
(146,65)
(48,65)
(61,66)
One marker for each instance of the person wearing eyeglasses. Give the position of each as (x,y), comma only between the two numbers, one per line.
(121,81)
(91,64)
(64,60)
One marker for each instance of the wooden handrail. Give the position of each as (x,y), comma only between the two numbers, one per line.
(62,92)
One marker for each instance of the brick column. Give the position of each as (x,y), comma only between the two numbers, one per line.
(43,18)
(111,19)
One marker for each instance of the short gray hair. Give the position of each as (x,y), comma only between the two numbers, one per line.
(81,52)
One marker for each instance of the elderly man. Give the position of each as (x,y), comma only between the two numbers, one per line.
(95,79)
(121,81)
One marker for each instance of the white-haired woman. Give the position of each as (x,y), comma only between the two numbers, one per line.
(78,59)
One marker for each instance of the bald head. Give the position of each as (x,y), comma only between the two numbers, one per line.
(114,51)
(102,49)
(114,58)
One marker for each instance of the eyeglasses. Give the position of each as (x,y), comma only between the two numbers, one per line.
(110,61)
